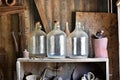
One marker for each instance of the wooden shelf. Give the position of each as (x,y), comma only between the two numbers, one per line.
(63,60)
(20,64)
(11,10)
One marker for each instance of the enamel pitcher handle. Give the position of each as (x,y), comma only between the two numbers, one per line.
(84,77)
(90,76)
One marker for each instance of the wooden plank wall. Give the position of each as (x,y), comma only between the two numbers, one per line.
(62,10)
(8,24)
(7,43)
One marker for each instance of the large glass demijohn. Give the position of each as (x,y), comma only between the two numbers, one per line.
(37,42)
(56,42)
(78,40)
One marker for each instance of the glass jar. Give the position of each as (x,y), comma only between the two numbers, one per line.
(37,42)
(67,31)
(78,43)
(56,42)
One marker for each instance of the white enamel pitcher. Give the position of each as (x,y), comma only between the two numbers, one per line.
(32,77)
(88,76)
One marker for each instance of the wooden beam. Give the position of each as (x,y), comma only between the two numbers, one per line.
(42,15)
(11,10)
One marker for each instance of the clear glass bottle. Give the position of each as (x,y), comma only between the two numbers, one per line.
(56,42)
(78,40)
(37,42)
(67,31)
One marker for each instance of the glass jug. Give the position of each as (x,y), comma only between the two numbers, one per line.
(78,40)
(56,42)
(37,42)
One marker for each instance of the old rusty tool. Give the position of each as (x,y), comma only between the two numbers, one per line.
(16,44)
(15,41)
(10,2)
(42,15)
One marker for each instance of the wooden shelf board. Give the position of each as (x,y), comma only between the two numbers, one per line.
(63,60)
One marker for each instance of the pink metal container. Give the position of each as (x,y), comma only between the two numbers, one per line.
(100,47)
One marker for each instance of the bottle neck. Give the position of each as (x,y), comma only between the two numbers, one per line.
(66,27)
(38,26)
(78,26)
(56,26)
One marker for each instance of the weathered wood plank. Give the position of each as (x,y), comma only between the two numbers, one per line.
(63,12)
(81,5)
(72,16)
(49,10)
(6,34)
(31,9)
(11,10)
(19,2)
(22,32)
(56,10)
(25,25)
(1,37)
(69,3)
(77,3)
(94,6)
(42,15)
(91,5)
(72,5)
(43,4)
(86,5)
(3,28)
(101,8)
